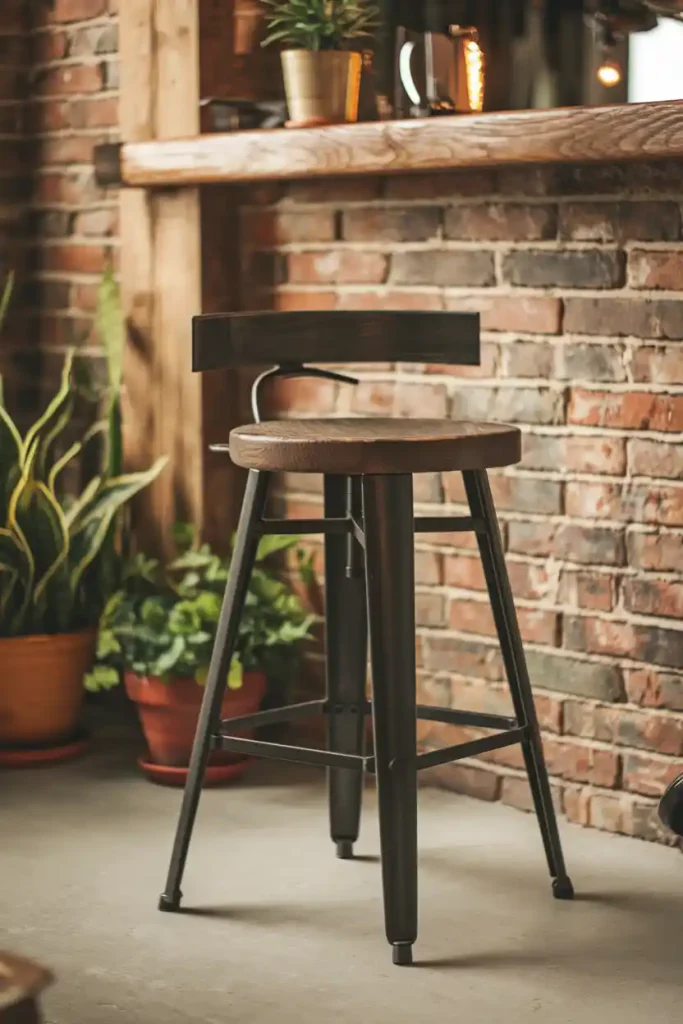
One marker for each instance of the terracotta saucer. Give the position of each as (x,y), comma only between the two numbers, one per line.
(35,757)
(216,774)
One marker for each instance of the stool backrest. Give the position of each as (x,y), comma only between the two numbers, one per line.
(249,339)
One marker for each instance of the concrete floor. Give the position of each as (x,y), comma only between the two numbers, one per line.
(277,930)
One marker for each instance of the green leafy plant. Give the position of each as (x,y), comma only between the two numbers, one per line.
(319,24)
(55,547)
(162,621)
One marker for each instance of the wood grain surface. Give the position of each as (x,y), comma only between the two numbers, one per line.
(624,132)
(374,446)
(249,339)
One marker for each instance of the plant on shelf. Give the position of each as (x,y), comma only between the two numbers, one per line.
(59,557)
(157,634)
(321,72)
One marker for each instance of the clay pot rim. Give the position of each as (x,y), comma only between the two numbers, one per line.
(184,680)
(59,640)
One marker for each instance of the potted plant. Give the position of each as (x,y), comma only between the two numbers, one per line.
(321,73)
(157,634)
(58,565)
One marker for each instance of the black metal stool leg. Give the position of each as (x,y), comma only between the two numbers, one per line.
(346,659)
(246,543)
(502,604)
(390,570)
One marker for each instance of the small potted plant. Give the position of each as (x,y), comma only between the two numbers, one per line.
(157,634)
(59,552)
(321,72)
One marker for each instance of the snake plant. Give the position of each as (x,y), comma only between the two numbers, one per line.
(55,546)
(319,24)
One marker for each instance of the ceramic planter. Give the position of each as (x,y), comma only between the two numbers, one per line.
(41,694)
(168,715)
(322,87)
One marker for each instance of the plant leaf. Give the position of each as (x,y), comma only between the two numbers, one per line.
(52,413)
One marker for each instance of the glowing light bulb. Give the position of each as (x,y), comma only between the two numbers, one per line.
(609,74)
(474,63)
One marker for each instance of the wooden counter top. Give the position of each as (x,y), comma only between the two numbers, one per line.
(578,134)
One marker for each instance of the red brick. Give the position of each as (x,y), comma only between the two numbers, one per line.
(659,550)
(658,364)
(544,268)
(526,494)
(391,224)
(428,568)
(589,499)
(587,589)
(529,580)
(654,597)
(97,223)
(95,112)
(444,653)
(576,804)
(580,762)
(642,318)
(617,222)
(662,733)
(655,689)
(305,394)
(500,221)
(651,644)
(655,269)
(443,268)
(515,792)
(649,774)
(633,410)
(655,458)
(653,503)
(434,186)
(77,10)
(295,300)
(536,625)
(343,266)
(464,572)
(264,228)
(392,298)
(538,180)
(537,314)
(79,259)
(528,359)
(595,454)
(84,297)
(430,610)
(336,190)
(68,149)
(70,79)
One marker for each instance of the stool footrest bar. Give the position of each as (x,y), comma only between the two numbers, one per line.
(471,749)
(285,752)
(455,717)
(259,718)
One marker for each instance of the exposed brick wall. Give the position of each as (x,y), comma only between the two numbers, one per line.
(71,227)
(578,275)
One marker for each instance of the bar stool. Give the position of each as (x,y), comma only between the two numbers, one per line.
(368,528)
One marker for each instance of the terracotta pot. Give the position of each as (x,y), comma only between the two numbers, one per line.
(321,87)
(169,711)
(41,687)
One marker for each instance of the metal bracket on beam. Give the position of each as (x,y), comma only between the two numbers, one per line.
(107,161)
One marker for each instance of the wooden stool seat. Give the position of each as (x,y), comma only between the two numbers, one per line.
(367,446)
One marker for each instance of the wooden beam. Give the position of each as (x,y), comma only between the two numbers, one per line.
(626,132)
(160,266)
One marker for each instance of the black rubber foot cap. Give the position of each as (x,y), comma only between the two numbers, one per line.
(345,849)
(168,903)
(402,954)
(563,889)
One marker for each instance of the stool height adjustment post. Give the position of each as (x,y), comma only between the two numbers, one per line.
(346,661)
(390,571)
